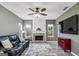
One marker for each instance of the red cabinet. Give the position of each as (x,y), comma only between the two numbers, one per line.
(65,44)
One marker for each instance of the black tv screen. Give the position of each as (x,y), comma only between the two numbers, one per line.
(70,25)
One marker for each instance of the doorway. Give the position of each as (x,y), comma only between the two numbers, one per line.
(28,29)
(51,30)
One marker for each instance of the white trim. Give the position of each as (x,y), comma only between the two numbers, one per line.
(74,53)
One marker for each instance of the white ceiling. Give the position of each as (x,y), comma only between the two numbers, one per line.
(54,9)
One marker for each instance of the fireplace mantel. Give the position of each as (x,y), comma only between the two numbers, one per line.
(38,31)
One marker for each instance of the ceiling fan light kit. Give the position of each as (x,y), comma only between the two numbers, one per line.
(37,15)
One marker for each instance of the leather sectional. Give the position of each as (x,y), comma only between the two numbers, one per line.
(18,46)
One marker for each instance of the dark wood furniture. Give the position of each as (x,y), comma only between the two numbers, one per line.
(65,44)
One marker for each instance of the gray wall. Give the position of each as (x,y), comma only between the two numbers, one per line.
(74,38)
(55,30)
(8,22)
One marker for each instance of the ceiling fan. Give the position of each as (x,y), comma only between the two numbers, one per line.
(38,11)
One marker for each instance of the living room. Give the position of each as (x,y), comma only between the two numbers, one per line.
(37,28)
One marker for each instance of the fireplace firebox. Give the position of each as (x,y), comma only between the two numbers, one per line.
(38,37)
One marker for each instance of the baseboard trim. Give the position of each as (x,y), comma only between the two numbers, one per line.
(74,53)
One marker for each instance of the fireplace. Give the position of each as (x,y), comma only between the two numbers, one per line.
(38,37)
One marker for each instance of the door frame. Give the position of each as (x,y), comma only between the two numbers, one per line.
(55,30)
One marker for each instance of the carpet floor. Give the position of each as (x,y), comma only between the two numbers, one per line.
(45,49)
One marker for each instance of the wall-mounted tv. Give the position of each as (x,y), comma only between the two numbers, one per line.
(70,25)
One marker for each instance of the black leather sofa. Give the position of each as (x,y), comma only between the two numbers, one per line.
(18,46)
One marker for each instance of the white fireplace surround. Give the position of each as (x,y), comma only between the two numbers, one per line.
(38,34)
(39,23)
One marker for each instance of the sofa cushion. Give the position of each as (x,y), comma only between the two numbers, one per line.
(14,39)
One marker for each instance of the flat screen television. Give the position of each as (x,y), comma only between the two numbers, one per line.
(70,25)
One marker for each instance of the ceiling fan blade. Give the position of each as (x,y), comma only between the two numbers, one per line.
(43,14)
(31,9)
(31,14)
(43,9)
